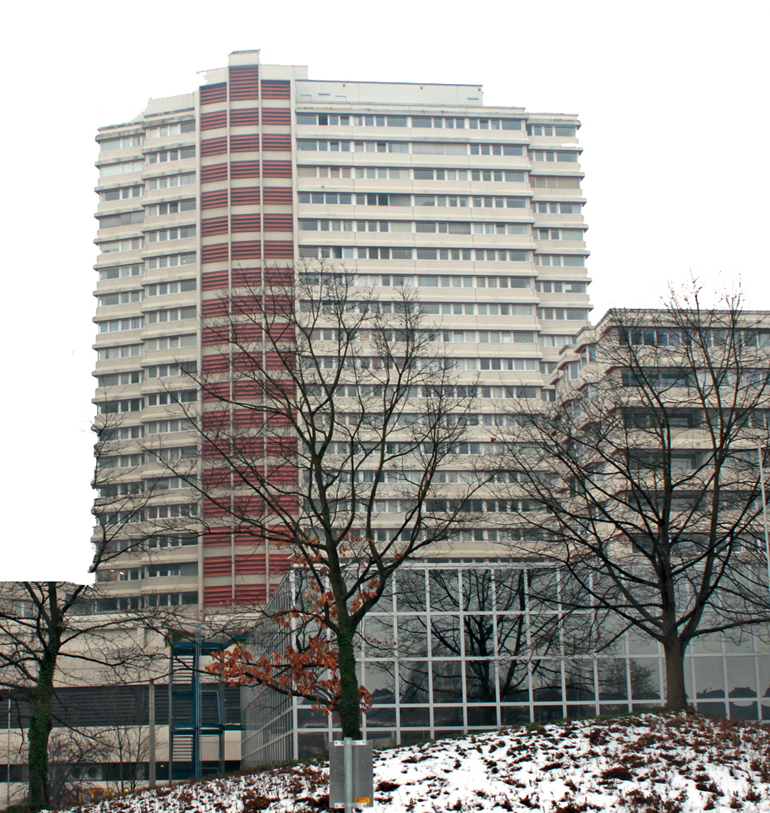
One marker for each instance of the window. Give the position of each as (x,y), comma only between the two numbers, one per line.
(122,352)
(171,207)
(497,149)
(172,511)
(440,174)
(321,145)
(172,315)
(556,208)
(117,325)
(173,397)
(163,288)
(115,379)
(498,175)
(170,129)
(563,130)
(171,181)
(556,340)
(500,228)
(341,198)
(324,172)
(112,246)
(171,370)
(495,124)
(559,234)
(122,168)
(171,342)
(122,219)
(577,260)
(384,200)
(176,453)
(162,156)
(554,182)
(126,461)
(562,156)
(162,235)
(475,308)
(122,298)
(555,287)
(158,571)
(169,426)
(439,148)
(125,405)
(120,271)
(121,193)
(438,122)
(171,260)
(499,203)
(503,364)
(123,143)
(563,313)
(653,337)
(175,541)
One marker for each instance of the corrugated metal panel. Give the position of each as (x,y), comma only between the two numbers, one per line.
(251,593)
(214,307)
(247,277)
(279,222)
(244,143)
(214,254)
(277,195)
(242,223)
(246,196)
(276,89)
(273,143)
(209,94)
(217,596)
(246,250)
(214,280)
(279,249)
(214,199)
(213,120)
(279,276)
(244,82)
(276,169)
(213,225)
(214,172)
(216,536)
(276,115)
(214,146)
(244,169)
(245,118)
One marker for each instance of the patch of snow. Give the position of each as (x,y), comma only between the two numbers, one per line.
(636,764)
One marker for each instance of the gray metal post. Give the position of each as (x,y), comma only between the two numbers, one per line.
(171,714)
(151,737)
(222,722)
(8,741)
(348,755)
(197,706)
(764,506)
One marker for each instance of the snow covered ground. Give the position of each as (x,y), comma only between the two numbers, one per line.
(644,764)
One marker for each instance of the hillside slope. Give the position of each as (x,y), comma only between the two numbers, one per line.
(645,764)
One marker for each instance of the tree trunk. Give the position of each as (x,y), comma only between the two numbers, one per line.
(676,696)
(39,733)
(350,698)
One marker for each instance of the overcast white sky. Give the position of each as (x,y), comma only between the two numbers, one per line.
(672,95)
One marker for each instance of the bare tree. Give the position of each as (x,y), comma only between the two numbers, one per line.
(71,765)
(328,416)
(642,479)
(51,631)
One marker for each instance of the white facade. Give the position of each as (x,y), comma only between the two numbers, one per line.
(477,208)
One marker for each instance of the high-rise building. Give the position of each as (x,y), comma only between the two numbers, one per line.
(478,209)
